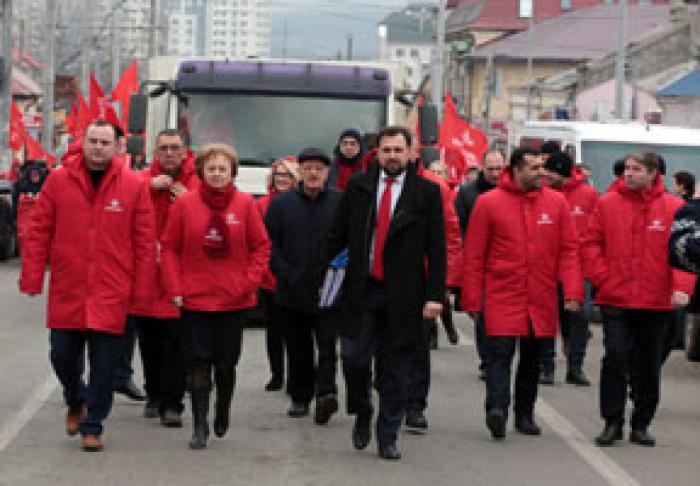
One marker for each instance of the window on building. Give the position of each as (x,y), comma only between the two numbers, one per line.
(415,54)
(400,52)
(566,4)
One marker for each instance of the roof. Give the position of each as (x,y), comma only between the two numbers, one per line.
(414,24)
(688,85)
(581,35)
(504,14)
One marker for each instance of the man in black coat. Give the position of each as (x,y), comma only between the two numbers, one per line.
(297,222)
(494,163)
(390,219)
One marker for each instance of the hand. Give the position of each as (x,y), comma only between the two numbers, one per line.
(432,309)
(177,301)
(177,189)
(679,299)
(162,181)
(572,306)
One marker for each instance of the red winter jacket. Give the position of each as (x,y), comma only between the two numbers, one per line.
(161,306)
(581,198)
(100,245)
(209,283)
(625,250)
(269,282)
(453,237)
(518,246)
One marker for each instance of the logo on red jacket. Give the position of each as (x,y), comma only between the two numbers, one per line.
(214,235)
(545,219)
(577,211)
(657,225)
(231,219)
(114,206)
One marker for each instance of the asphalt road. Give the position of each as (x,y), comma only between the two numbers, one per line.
(265,447)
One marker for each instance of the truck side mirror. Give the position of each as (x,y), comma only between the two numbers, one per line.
(138,108)
(134,144)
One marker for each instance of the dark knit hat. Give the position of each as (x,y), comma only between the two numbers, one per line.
(313,154)
(560,163)
(550,147)
(351,133)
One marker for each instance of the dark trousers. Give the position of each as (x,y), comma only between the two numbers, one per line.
(574,329)
(501,350)
(160,342)
(307,374)
(633,340)
(67,355)
(479,339)
(675,334)
(419,373)
(392,365)
(274,334)
(124,370)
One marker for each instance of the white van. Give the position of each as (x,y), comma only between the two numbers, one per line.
(599,145)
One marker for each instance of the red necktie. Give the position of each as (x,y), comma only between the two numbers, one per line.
(382,228)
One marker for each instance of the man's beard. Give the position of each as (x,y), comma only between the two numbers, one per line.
(393,171)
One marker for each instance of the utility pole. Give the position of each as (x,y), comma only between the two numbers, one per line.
(439,60)
(152,32)
(6,79)
(85,53)
(284,47)
(530,73)
(620,66)
(49,77)
(350,54)
(114,38)
(490,87)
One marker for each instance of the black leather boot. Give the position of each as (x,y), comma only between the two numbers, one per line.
(200,410)
(611,433)
(225,380)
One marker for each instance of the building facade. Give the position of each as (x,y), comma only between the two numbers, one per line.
(238,28)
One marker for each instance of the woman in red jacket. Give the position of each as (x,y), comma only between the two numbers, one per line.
(214,253)
(284,175)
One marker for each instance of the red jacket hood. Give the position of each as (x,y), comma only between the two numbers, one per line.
(506,182)
(185,173)
(656,190)
(577,178)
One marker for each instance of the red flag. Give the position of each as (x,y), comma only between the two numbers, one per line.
(84,115)
(457,134)
(36,152)
(96,94)
(17,133)
(106,112)
(128,84)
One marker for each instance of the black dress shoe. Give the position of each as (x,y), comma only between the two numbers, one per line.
(577,378)
(326,406)
(642,437)
(361,433)
(150,410)
(416,422)
(611,433)
(389,452)
(547,378)
(171,419)
(496,422)
(526,425)
(276,383)
(131,391)
(298,410)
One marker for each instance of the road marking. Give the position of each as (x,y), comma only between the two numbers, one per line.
(607,468)
(41,394)
(604,465)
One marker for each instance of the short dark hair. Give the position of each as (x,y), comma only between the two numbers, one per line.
(393,131)
(686,180)
(550,147)
(170,132)
(619,167)
(103,123)
(517,158)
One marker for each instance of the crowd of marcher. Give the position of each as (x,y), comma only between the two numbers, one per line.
(355,257)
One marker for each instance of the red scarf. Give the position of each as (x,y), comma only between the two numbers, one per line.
(215,238)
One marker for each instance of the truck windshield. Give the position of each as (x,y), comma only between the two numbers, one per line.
(262,127)
(601,155)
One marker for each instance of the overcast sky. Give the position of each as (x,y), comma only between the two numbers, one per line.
(318,29)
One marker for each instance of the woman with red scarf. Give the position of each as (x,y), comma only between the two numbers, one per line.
(215,251)
(284,175)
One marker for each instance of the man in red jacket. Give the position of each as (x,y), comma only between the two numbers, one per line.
(520,243)
(562,176)
(626,257)
(93,223)
(170,175)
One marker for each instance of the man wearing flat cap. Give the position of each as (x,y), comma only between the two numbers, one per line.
(297,222)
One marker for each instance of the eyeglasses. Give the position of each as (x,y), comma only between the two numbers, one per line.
(171,148)
(284,175)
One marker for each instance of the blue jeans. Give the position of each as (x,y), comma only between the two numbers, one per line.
(68,360)
(391,368)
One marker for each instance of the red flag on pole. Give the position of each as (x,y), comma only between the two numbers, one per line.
(36,152)
(457,135)
(84,115)
(96,94)
(128,84)
(17,133)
